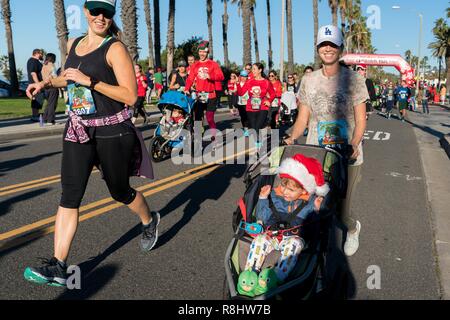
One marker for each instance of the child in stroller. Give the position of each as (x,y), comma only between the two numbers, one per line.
(176,109)
(286,207)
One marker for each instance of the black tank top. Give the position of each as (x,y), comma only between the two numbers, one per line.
(94,65)
(181,81)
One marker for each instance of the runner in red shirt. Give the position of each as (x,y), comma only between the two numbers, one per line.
(242,101)
(204,73)
(141,91)
(261,96)
(275,106)
(231,92)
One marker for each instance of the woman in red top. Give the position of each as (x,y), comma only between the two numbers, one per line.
(275,106)
(261,96)
(231,92)
(142,90)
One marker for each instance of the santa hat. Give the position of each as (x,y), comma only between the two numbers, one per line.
(307,172)
(203,46)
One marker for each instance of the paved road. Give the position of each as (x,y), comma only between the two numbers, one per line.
(195,229)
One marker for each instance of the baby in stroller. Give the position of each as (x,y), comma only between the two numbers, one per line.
(282,211)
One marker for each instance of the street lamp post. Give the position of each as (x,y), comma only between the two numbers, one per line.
(283,13)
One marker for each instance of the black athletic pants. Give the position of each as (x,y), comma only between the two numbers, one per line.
(52,102)
(114,155)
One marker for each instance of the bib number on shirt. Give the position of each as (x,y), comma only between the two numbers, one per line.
(243,100)
(81,101)
(275,103)
(203,97)
(333,134)
(256,103)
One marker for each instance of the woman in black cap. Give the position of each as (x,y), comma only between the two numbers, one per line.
(100,79)
(178,81)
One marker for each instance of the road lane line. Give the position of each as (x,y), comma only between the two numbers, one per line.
(5,193)
(29,182)
(39,233)
(206,168)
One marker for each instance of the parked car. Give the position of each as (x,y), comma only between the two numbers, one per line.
(5,88)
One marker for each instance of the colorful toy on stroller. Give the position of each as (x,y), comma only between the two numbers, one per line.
(171,131)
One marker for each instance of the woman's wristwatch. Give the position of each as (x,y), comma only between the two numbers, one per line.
(94,81)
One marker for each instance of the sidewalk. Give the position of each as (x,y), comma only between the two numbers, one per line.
(23,128)
(429,130)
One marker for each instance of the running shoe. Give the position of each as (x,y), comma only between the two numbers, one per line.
(246,133)
(53,272)
(150,232)
(352,243)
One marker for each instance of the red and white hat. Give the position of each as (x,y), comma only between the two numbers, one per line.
(306,171)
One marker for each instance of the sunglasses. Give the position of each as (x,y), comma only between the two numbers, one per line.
(271,76)
(98,11)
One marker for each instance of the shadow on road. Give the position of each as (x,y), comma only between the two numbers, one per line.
(210,187)
(23,162)
(436,133)
(91,284)
(9,148)
(5,205)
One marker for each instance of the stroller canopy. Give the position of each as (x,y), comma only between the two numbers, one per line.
(178,99)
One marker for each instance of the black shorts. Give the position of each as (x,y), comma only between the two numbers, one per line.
(112,148)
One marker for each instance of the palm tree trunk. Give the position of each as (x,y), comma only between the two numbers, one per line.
(6,14)
(225,33)
(148,20)
(61,29)
(316,31)
(129,22)
(255,33)
(157,33)
(334,8)
(447,66)
(247,54)
(343,13)
(209,12)
(171,37)
(269,33)
(290,36)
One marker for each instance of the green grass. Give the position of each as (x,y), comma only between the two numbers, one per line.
(21,107)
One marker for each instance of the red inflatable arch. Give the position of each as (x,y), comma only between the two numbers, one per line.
(385,60)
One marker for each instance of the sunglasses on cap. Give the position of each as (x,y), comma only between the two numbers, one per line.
(98,11)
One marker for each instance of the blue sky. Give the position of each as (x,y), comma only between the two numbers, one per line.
(34,27)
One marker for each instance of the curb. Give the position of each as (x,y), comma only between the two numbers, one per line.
(440,105)
(39,132)
(445,144)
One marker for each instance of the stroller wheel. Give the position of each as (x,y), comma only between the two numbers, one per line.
(156,149)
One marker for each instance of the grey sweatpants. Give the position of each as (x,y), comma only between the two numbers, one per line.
(348,216)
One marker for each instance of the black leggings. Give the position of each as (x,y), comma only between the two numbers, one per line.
(243,114)
(139,108)
(272,118)
(114,155)
(257,120)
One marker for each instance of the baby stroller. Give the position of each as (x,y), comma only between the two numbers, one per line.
(313,276)
(169,134)
(288,109)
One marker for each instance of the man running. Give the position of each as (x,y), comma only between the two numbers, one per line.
(204,73)
(403,94)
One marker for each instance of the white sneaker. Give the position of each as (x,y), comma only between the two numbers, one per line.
(352,243)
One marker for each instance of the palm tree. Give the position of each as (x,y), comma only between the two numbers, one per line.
(148,21)
(440,47)
(209,12)
(244,11)
(408,54)
(290,36)
(157,33)
(269,33)
(61,28)
(6,14)
(171,36)
(225,33)
(334,10)
(255,33)
(129,22)
(316,31)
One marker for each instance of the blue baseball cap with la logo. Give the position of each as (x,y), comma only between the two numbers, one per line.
(331,34)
